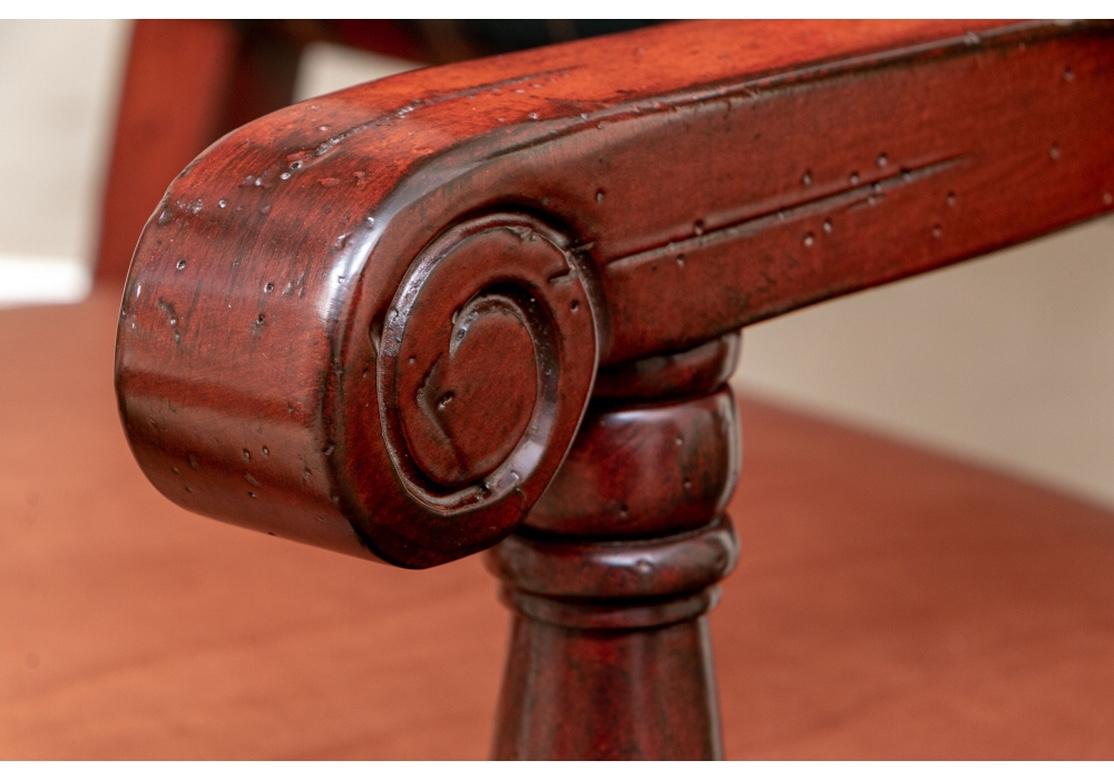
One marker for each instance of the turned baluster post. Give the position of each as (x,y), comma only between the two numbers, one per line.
(612,575)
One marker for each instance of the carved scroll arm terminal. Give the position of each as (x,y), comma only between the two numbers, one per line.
(372,321)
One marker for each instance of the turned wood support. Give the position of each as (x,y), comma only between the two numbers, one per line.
(484,305)
(618,666)
(613,572)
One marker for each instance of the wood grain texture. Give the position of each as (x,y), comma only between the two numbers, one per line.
(679,181)
(890,603)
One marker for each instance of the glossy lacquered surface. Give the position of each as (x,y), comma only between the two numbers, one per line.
(411,318)
(665,186)
(614,571)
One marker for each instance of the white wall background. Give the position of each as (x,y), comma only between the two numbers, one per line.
(58,83)
(1008,360)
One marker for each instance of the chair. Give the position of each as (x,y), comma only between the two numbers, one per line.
(243,69)
(492,306)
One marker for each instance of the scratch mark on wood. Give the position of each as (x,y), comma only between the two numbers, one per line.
(783,214)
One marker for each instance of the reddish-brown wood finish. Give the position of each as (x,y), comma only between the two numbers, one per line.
(644,692)
(613,573)
(690,178)
(374,321)
(237,71)
(683,446)
(186,83)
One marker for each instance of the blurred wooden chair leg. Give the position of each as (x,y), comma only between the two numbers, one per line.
(187,82)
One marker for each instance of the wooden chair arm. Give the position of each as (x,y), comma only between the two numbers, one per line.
(372,321)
